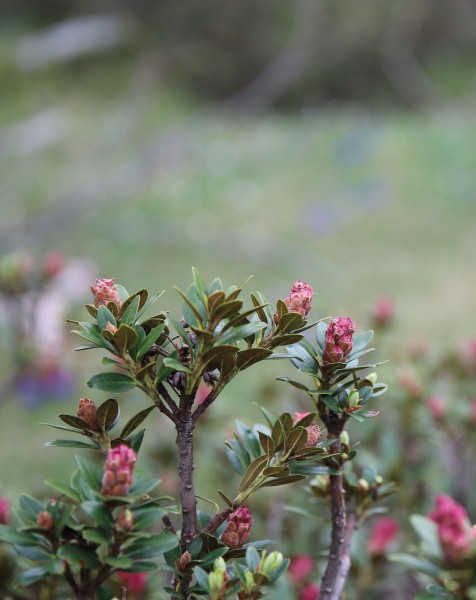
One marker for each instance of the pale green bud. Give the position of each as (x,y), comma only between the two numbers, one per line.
(216,580)
(344,438)
(249,580)
(219,565)
(353,399)
(363,485)
(269,564)
(372,377)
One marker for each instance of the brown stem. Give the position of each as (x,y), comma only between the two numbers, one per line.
(217,520)
(217,388)
(188,500)
(168,524)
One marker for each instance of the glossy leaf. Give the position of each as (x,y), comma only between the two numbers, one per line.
(135,421)
(79,555)
(107,415)
(112,382)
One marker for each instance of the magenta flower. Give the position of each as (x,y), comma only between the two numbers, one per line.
(302,565)
(382,534)
(117,478)
(105,291)
(135,583)
(238,529)
(455,532)
(338,342)
(4,511)
(300,298)
(437,408)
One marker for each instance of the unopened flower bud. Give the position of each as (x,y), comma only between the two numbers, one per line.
(353,399)
(45,520)
(117,478)
(363,485)
(314,434)
(338,341)
(383,311)
(299,415)
(344,438)
(300,298)
(4,511)
(372,377)
(111,327)
(382,534)
(125,519)
(183,561)
(249,582)
(87,411)
(105,291)
(238,529)
(344,456)
(217,580)
(271,563)
(378,480)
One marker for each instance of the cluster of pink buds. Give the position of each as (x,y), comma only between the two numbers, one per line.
(4,511)
(455,532)
(300,298)
(105,291)
(338,342)
(134,583)
(117,478)
(238,529)
(87,411)
(382,534)
(314,434)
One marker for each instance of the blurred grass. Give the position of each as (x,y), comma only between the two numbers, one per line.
(147,182)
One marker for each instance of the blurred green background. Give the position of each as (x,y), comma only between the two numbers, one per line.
(285,140)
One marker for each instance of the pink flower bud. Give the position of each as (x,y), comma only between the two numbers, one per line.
(437,408)
(314,434)
(117,478)
(87,411)
(302,565)
(383,311)
(382,534)
(125,519)
(238,529)
(300,298)
(455,533)
(338,342)
(105,291)
(45,520)
(309,592)
(4,511)
(135,583)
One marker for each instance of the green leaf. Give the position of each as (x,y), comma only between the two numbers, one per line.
(246,358)
(76,422)
(252,558)
(249,439)
(202,578)
(283,481)
(120,562)
(30,576)
(199,284)
(193,315)
(100,514)
(321,330)
(417,563)
(31,506)
(112,382)
(63,489)
(360,342)
(135,421)
(296,440)
(104,316)
(107,415)
(427,531)
(153,546)
(132,305)
(253,472)
(332,403)
(149,340)
(68,444)
(124,338)
(296,384)
(289,322)
(147,516)
(78,555)
(96,536)
(19,538)
(217,352)
(266,443)
(91,474)
(225,499)
(176,365)
(287,339)
(242,331)
(135,440)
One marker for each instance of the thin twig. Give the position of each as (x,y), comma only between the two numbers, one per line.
(169,525)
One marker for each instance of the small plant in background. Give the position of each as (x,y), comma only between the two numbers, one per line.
(106,528)
(446,552)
